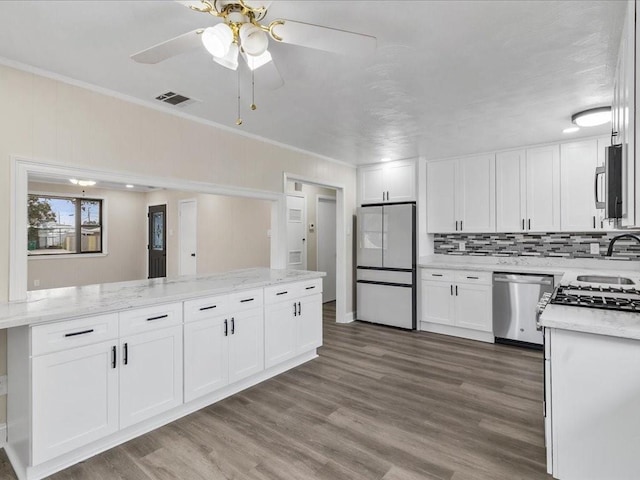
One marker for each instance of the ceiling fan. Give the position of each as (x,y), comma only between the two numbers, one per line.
(242,32)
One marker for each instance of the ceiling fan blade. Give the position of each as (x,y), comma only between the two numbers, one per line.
(170,48)
(323,38)
(268,76)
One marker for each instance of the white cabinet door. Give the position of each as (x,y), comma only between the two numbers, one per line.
(510,191)
(543,189)
(75,399)
(578,162)
(437,302)
(476,194)
(601,222)
(309,324)
(280,332)
(441,188)
(400,179)
(246,344)
(473,307)
(372,187)
(150,374)
(206,356)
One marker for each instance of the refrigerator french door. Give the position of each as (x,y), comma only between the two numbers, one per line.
(386,273)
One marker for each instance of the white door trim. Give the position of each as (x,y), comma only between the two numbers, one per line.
(21,167)
(180,204)
(342,316)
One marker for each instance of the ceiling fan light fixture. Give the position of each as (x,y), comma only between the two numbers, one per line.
(592,117)
(217,39)
(230,60)
(255,62)
(253,39)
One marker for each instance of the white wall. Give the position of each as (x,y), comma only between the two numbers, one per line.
(126,239)
(56,122)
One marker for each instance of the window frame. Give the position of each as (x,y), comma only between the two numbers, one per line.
(78,234)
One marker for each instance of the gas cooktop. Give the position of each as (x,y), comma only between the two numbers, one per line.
(609,297)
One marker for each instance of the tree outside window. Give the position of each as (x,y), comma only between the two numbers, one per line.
(64,225)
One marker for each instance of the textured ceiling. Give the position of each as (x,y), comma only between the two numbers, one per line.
(449,77)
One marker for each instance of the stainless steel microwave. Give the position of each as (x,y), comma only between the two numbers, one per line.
(608,183)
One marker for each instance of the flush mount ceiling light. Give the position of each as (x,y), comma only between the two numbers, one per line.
(242,31)
(82,183)
(592,117)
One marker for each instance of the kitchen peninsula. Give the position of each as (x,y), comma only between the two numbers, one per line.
(92,367)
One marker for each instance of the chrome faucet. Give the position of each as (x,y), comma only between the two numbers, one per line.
(619,237)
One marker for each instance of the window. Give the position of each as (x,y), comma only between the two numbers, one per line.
(64,225)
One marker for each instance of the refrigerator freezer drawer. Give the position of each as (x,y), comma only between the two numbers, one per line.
(385,304)
(385,276)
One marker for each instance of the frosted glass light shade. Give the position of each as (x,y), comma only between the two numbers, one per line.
(230,60)
(592,117)
(254,62)
(253,39)
(217,39)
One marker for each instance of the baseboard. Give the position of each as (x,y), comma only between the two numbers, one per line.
(348,317)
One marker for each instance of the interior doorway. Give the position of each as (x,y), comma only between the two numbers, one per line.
(187,237)
(157,245)
(326,244)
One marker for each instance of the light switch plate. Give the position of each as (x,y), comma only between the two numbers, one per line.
(595,248)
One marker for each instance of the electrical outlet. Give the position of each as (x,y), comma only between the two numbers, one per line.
(36,283)
(3,385)
(595,248)
(462,246)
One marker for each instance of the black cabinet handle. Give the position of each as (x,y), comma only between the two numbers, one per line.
(456,225)
(436,275)
(193,254)
(523,223)
(460,225)
(282,293)
(295,310)
(456,290)
(299,309)
(594,221)
(247,300)
(473,278)
(83,332)
(451,289)
(226,327)
(233,325)
(202,309)
(125,358)
(159,317)
(310,288)
(113,357)
(529,224)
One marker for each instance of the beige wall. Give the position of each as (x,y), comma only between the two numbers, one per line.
(125,232)
(311,193)
(232,231)
(56,122)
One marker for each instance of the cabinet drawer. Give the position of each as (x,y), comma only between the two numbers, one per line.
(206,307)
(150,318)
(480,278)
(437,275)
(58,336)
(246,300)
(280,293)
(310,287)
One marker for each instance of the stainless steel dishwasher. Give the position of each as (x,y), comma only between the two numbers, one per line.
(515,296)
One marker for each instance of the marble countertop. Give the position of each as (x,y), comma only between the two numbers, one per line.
(592,320)
(43,306)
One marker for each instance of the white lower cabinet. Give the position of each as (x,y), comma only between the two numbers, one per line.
(75,399)
(78,386)
(150,374)
(457,303)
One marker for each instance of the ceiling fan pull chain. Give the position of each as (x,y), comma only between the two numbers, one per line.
(239,120)
(253,91)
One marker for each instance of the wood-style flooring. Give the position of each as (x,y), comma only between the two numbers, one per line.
(378,403)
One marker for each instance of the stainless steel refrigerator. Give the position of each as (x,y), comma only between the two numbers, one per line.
(386,267)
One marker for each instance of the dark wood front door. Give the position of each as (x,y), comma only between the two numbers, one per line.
(157,241)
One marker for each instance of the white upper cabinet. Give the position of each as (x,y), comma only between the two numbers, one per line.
(387,182)
(543,189)
(461,195)
(511,191)
(578,161)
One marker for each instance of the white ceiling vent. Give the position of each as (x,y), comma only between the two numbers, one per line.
(176,99)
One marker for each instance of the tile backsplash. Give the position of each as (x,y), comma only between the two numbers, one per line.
(564,245)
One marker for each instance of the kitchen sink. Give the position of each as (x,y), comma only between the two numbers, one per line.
(605,279)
